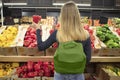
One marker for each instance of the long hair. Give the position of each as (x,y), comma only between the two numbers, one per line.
(70,24)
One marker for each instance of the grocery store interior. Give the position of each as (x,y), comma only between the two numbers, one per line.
(20,58)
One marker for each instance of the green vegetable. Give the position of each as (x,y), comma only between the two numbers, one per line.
(105,35)
(102,38)
(112,44)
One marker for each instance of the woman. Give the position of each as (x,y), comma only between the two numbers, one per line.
(70,30)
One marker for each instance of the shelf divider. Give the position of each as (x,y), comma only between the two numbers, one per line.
(50,58)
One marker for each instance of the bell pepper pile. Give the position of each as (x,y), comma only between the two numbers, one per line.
(34,69)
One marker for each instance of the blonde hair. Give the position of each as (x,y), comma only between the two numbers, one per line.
(70,24)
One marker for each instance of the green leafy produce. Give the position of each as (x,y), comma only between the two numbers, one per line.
(106,36)
(112,44)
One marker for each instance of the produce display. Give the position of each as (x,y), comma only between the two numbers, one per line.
(112,70)
(6,69)
(33,69)
(46,69)
(30,39)
(106,36)
(7,36)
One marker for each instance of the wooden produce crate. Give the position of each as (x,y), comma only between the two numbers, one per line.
(8,51)
(24,79)
(1,52)
(16,78)
(104,51)
(50,51)
(104,75)
(109,52)
(24,51)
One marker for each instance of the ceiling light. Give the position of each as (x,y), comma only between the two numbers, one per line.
(61,4)
(15,3)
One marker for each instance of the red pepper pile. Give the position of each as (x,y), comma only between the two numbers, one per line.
(30,39)
(33,69)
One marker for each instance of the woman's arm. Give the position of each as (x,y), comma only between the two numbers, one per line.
(46,44)
(88,49)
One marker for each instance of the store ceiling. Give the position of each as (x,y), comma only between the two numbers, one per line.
(56,4)
(39,1)
(61,1)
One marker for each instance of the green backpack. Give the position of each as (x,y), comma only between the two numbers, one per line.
(69,58)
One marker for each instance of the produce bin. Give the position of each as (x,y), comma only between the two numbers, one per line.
(8,51)
(109,52)
(15,77)
(106,76)
(1,52)
(50,51)
(8,36)
(25,51)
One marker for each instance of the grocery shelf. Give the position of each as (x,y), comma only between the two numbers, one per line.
(50,58)
(25,58)
(105,59)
